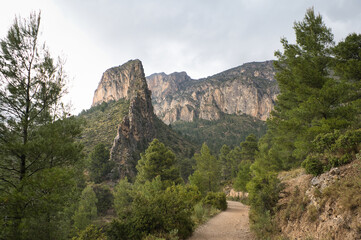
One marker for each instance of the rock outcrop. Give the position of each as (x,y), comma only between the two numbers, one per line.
(121,82)
(322,207)
(248,89)
(137,128)
(140,125)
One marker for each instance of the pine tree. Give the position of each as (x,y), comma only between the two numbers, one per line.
(100,166)
(158,160)
(35,133)
(207,174)
(87,209)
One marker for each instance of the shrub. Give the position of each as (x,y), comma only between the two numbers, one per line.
(218,200)
(313,165)
(91,233)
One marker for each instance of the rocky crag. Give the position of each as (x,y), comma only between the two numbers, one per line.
(249,89)
(140,126)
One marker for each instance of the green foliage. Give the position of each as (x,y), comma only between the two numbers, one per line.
(226,164)
(152,208)
(186,167)
(100,165)
(202,213)
(105,199)
(37,140)
(332,149)
(207,174)
(92,232)
(249,148)
(87,209)
(243,177)
(263,196)
(102,123)
(216,199)
(158,160)
(123,198)
(313,165)
(228,130)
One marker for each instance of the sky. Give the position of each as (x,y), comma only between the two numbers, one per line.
(201,37)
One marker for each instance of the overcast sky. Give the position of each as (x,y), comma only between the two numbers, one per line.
(201,37)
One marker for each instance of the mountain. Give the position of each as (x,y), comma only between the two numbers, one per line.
(127,87)
(249,89)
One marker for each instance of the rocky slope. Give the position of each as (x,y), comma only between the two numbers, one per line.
(323,207)
(248,89)
(140,125)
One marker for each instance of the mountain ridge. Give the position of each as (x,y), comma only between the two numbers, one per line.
(247,89)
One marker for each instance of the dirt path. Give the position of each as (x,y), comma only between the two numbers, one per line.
(228,225)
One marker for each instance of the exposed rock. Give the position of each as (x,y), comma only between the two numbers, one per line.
(137,128)
(120,82)
(318,210)
(248,89)
(140,126)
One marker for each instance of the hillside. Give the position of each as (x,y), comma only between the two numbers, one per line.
(101,123)
(228,129)
(323,207)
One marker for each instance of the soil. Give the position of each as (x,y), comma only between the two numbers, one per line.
(228,225)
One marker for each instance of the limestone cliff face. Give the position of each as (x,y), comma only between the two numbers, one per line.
(248,89)
(120,82)
(137,128)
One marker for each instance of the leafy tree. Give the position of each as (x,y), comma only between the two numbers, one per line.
(100,166)
(158,160)
(207,174)
(35,134)
(87,209)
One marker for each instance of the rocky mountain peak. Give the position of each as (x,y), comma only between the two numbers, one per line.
(137,128)
(162,84)
(124,81)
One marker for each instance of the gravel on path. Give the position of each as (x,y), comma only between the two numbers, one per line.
(231,224)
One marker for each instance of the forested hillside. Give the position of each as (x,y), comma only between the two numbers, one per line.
(229,130)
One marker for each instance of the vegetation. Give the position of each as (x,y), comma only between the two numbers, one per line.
(102,122)
(316,120)
(229,130)
(207,174)
(99,164)
(158,161)
(37,140)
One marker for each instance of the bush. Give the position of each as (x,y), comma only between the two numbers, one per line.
(149,210)
(91,233)
(313,165)
(218,200)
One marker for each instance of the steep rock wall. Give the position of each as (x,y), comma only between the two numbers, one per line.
(248,89)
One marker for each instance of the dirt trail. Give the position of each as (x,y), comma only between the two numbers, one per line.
(228,225)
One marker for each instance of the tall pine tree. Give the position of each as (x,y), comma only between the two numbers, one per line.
(36,137)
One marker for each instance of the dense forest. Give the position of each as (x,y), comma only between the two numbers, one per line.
(56,180)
